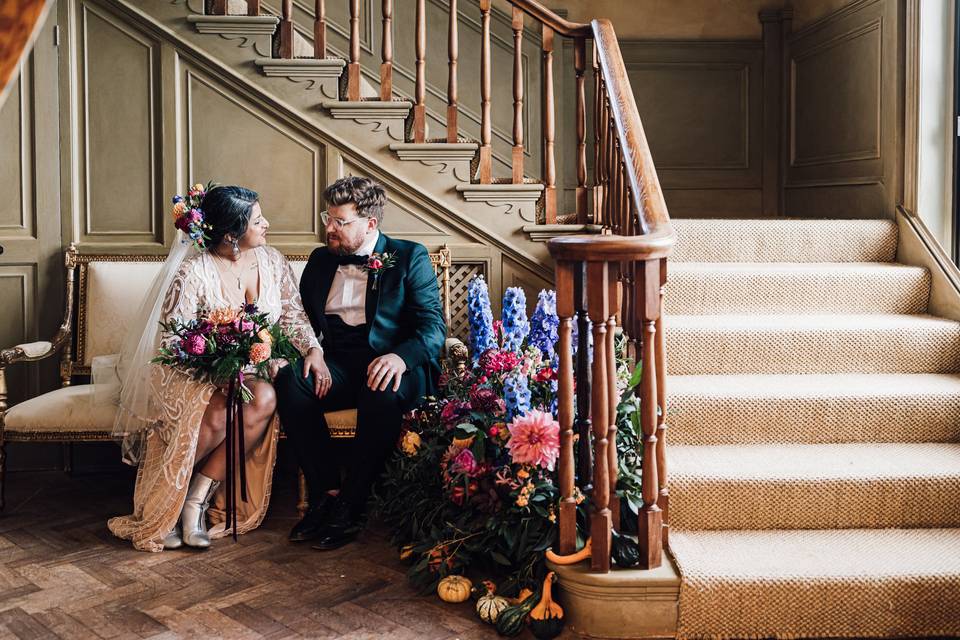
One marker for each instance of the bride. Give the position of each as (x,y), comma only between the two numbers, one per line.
(173,426)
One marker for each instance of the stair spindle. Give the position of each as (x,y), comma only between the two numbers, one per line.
(286,30)
(612,396)
(353,67)
(599,100)
(517,96)
(452,53)
(386,66)
(253,7)
(320,30)
(566,311)
(650,526)
(579,65)
(661,358)
(549,131)
(598,303)
(486,125)
(583,426)
(218,7)
(420,107)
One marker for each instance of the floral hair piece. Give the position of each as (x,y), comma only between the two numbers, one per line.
(188,215)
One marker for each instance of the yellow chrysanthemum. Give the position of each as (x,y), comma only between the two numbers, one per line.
(410,443)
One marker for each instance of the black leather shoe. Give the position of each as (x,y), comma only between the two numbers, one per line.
(342,527)
(313,523)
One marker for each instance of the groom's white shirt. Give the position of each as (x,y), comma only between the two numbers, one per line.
(348,291)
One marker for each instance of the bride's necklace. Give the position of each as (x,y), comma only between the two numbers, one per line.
(238,273)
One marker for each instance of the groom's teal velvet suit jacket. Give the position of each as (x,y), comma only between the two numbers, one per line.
(404,314)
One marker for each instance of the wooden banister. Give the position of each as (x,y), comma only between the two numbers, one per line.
(286,30)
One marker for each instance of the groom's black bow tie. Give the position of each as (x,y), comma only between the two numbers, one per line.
(352,259)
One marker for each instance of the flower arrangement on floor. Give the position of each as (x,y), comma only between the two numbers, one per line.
(473,490)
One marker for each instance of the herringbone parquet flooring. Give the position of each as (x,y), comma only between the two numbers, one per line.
(62,575)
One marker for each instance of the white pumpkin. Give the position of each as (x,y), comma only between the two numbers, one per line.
(489,607)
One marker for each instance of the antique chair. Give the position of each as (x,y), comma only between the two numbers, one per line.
(104,288)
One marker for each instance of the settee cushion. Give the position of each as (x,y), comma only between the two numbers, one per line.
(69,410)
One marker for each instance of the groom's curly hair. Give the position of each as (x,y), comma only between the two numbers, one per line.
(368,195)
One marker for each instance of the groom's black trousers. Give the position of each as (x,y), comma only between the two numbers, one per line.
(379,414)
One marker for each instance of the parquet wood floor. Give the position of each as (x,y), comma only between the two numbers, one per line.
(62,575)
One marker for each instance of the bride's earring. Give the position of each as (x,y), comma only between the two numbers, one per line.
(236,248)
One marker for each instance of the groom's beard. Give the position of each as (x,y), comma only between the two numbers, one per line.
(344,246)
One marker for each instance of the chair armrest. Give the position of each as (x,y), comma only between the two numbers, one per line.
(33,351)
(455,354)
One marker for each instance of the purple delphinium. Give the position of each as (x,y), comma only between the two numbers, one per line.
(544,324)
(516,393)
(480,317)
(514,317)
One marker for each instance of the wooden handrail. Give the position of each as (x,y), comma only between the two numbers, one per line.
(540,13)
(638,162)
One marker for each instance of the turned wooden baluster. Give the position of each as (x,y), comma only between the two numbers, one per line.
(549,131)
(612,396)
(386,66)
(579,65)
(583,426)
(664,499)
(420,108)
(599,100)
(253,7)
(286,30)
(218,8)
(517,96)
(650,526)
(598,303)
(320,30)
(486,126)
(353,67)
(565,310)
(452,53)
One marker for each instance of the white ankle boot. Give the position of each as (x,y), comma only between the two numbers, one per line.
(193,518)
(173,540)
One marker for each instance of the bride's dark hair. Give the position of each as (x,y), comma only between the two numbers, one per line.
(227,211)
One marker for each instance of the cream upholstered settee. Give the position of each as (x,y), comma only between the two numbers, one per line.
(103,293)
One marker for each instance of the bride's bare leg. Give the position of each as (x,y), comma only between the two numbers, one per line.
(213,427)
(256,417)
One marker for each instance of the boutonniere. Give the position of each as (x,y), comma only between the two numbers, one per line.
(377,263)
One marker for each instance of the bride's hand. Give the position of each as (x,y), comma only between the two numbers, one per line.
(274,366)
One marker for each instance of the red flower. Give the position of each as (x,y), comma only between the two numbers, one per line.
(546,374)
(375,264)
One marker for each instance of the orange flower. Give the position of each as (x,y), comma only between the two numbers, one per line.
(178,209)
(259,352)
(265,337)
(224,315)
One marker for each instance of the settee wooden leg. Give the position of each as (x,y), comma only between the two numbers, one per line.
(302,497)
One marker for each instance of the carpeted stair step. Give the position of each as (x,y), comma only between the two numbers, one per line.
(785,240)
(814,486)
(846,407)
(835,583)
(834,343)
(762,287)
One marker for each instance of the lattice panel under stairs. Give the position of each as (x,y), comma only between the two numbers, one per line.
(461,274)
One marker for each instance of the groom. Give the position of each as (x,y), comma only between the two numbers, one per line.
(382,331)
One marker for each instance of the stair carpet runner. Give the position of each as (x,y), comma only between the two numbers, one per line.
(814,434)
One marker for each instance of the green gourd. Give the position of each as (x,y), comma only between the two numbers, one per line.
(510,621)
(624,551)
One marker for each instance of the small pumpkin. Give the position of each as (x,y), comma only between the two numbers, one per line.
(490,605)
(454,589)
(510,621)
(624,551)
(546,619)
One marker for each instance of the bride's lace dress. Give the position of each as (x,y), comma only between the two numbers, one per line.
(170,447)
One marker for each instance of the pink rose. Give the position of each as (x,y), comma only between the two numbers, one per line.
(195,345)
(375,264)
(464,462)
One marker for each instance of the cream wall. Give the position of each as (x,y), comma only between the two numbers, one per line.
(934,197)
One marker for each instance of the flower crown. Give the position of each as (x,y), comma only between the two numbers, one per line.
(188,215)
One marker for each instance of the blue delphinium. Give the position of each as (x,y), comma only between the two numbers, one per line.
(515,325)
(480,317)
(516,395)
(544,324)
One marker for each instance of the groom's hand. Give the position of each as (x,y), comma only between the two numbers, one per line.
(385,369)
(313,363)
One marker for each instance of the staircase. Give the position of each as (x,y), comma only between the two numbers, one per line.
(814,404)
(814,432)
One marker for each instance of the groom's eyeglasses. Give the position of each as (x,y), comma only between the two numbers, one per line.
(326,218)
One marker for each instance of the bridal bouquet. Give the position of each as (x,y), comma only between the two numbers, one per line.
(218,346)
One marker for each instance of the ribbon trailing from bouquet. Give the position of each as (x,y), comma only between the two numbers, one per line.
(236,460)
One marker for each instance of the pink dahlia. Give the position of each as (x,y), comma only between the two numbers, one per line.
(535,439)
(195,345)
